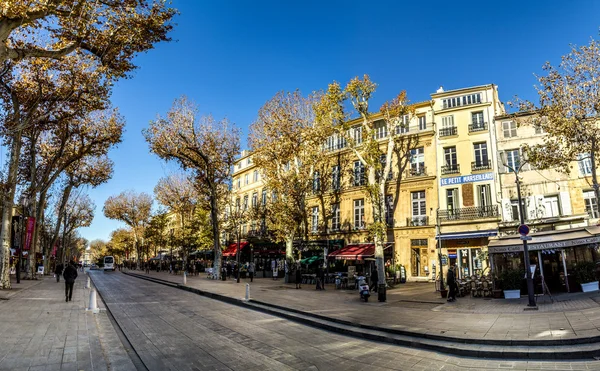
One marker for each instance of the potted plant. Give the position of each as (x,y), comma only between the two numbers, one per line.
(585,275)
(511,283)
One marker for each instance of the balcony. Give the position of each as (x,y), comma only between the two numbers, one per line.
(469,213)
(416,171)
(480,126)
(446,132)
(481,165)
(417,221)
(451,169)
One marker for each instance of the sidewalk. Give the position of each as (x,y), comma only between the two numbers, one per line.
(40,331)
(418,308)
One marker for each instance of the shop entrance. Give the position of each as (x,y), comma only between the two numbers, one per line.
(415,262)
(552,265)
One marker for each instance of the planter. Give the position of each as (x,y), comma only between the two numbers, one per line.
(497,294)
(444,293)
(512,294)
(590,286)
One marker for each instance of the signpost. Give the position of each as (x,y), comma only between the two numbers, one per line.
(523,229)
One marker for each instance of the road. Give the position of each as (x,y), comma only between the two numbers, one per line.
(171,329)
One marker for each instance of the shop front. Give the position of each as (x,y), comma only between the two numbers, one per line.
(465,250)
(553,256)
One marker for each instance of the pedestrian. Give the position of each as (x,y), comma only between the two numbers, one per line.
(236,270)
(298,276)
(451,284)
(251,271)
(374,279)
(274,268)
(58,271)
(70,274)
(322,278)
(318,278)
(229,269)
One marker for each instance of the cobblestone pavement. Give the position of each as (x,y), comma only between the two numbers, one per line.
(176,330)
(40,331)
(416,307)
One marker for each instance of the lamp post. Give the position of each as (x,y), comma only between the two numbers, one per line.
(515,166)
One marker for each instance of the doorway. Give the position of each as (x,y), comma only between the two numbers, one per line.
(415,262)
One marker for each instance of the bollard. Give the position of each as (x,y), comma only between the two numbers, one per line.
(93,304)
(184,278)
(88,284)
(247,291)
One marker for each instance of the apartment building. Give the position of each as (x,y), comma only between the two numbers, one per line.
(559,208)
(467,168)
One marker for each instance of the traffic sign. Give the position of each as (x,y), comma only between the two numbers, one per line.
(523,229)
(526,238)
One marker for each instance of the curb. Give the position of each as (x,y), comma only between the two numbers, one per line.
(483,348)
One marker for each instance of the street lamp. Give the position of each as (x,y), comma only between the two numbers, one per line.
(515,165)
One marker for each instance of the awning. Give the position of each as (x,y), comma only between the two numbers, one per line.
(232,248)
(311,260)
(461,235)
(547,240)
(355,252)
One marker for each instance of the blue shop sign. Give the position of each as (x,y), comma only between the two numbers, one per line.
(467,179)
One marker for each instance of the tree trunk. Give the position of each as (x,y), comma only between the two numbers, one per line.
(289,255)
(7,212)
(214,215)
(60,256)
(595,184)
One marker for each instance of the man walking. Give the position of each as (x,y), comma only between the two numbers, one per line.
(452,284)
(70,275)
(251,271)
(58,271)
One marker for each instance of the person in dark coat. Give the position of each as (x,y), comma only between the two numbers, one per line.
(58,271)
(298,276)
(374,279)
(70,274)
(451,284)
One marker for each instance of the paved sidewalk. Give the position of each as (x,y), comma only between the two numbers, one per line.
(40,331)
(417,308)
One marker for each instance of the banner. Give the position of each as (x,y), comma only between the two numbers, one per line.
(29,233)
(16,232)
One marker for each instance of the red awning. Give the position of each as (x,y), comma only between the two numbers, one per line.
(231,250)
(355,252)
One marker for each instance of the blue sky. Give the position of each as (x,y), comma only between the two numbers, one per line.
(232,56)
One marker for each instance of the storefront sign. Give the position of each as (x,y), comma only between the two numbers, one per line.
(466,179)
(534,246)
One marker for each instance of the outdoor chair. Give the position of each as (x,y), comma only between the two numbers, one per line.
(486,289)
(475,290)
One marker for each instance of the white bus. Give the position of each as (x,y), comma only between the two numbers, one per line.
(109,263)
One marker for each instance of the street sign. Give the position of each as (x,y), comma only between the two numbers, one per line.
(526,238)
(523,230)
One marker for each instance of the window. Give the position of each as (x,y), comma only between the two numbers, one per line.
(359,213)
(389,210)
(245,202)
(477,119)
(383,161)
(462,100)
(591,204)
(481,154)
(335,177)
(510,129)
(513,159)
(316,186)
(484,195)
(244,230)
(237,204)
(255,176)
(239,183)
(334,142)
(249,160)
(514,206)
(357,134)
(359,173)
(380,129)
(585,164)
(335,217)
(263,200)
(417,161)
(447,122)
(246,179)
(402,127)
(422,123)
(419,208)
(539,129)
(254,200)
(450,158)
(274,196)
(315,219)
(452,201)
(550,206)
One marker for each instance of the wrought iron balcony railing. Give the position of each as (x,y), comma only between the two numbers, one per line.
(451,169)
(446,132)
(469,213)
(481,126)
(417,171)
(416,221)
(481,165)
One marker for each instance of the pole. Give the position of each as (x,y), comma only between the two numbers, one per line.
(530,293)
(237,257)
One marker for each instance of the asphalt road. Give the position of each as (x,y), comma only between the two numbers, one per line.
(171,329)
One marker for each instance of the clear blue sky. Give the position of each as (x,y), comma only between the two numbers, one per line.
(232,56)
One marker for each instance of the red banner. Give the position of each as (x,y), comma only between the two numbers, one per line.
(29,233)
